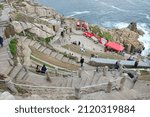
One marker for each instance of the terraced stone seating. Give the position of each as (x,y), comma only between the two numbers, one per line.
(48,51)
(92,84)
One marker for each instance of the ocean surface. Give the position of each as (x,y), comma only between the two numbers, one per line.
(108,13)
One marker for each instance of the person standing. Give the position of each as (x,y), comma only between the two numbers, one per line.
(136,64)
(1,41)
(117,64)
(81,61)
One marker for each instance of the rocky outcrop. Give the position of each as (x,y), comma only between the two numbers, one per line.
(38,29)
(133,27)
(128,37)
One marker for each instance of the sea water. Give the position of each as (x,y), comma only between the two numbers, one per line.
(108,13)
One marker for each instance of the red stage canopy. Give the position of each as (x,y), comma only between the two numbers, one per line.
(114,46)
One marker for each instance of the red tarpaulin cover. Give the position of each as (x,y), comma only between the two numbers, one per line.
(88,34)
(114,46)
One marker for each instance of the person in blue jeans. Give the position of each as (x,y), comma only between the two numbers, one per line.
(1,41)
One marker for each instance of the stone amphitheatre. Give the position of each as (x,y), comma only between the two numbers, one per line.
(32,36)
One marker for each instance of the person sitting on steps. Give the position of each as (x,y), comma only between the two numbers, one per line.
(43,69)
(38,68)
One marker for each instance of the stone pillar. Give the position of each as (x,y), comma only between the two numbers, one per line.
(26,68)
(48,77)
(10,86)
(77,93)
(115,73)
(138,74)
(97,69)
(120,70)
(94,73)
(56,71)
(109,87)
(122,81)
(105,70)
(129,48)
(79,72)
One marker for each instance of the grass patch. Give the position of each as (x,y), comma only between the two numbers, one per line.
(13,47)
(143,72)
(88,53)
(21,90)
(76,49)
(110,56)
(40,62)
(1,6)
(48,39)
(96,30)
(52,61)
(48,65)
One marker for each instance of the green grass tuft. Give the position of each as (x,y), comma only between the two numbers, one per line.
(13,47)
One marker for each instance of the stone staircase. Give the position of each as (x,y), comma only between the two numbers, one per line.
(3,23)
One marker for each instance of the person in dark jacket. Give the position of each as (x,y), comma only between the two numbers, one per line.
(136,64)
(82,61)
(117,64)
(1,41)
(43,69)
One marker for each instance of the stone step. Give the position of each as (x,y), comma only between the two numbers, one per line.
(118,96)
(42,48)
(47,51)
(126,95)
(23,38)
(64,83)
(4,56)
(59,56)
(53,54)
(15,71)
(106,96)
(37,79)
(75,81)
(27,41)
(95,80)
(65,59)
(36,45)
(8,70)
(21,74)
(59,82)
(92,97)
(70,61)
(83,81)
(88,81)
(69,82)
(4,65)
(32,43)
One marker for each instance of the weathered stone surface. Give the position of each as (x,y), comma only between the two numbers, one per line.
(42,48)
(32,43)
(6,96)
(59,56)
(47,51)
(37,45)
(53,54)
(65,59)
